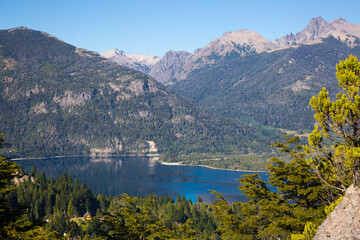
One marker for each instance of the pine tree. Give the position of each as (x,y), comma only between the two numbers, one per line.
(8,171)
(13,223)
(335,142)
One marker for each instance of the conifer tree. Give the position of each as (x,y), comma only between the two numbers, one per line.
(13,223)
(334,143)
(8,171)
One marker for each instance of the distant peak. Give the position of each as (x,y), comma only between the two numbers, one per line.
(339,20)
(317,24)
(318,19)
(19,28)
(242,32)
(173,52)
(119,52)
(113,53)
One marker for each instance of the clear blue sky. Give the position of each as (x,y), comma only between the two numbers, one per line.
(154,26)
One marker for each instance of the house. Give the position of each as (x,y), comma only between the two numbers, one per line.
(87,216)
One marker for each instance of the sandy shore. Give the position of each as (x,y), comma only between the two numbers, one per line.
(172,163)
(225,169)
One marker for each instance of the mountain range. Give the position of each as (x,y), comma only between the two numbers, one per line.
(177,65)
(56,99)
(247,77)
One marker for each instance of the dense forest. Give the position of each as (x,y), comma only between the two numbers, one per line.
(54,209)
(60,100)
(271,88)
(308,187)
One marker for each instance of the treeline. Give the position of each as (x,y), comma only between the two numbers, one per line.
(64,202)
(299,202)
(305,190)
(61,101)
(273,88)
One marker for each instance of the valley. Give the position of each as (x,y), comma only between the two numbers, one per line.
(65,101)
(241,138)
(246,77)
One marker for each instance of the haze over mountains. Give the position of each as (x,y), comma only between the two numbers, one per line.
(247,77)
(175,65)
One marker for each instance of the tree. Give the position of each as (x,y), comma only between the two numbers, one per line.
(299,198)
(318,173)
(13,223)
(126,219)
(334,144)
(8,171)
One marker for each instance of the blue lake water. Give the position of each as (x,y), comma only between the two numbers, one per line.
(142,176)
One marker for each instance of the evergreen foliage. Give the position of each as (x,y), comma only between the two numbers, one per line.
(335,142)
(310,186)
(64,201)
(271,88)
(13,221)
(299,198)
(60,100)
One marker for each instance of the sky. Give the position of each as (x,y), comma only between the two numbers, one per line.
(152,27)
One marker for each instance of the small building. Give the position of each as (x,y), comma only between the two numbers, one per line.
(87,216)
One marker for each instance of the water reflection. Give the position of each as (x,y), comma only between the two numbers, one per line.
(142,176)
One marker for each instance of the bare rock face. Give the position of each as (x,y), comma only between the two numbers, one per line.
(168,65)
(344,222)
(342,25)
(317,28)
(242,42)
(142,63)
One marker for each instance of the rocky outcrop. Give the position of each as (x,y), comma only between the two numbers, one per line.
(241,42)
(168,65)
(317,28)
(344,222)
(142,63)
(342,25)
(176,65)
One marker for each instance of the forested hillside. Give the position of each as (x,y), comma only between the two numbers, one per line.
(56,99)
(304,190)
(272,88)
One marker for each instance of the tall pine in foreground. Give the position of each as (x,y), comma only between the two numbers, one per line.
(318,174)
(14,224)
(300,198)
(8,170)
(335,143)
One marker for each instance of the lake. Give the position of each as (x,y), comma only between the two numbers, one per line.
(142,176)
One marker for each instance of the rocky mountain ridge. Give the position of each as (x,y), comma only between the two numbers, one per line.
(56,99)
(272,88)
(142,63)
(243,43)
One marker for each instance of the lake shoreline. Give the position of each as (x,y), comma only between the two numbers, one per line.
(205,166)
(134,155)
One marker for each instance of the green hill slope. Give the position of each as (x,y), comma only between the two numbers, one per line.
(272,88)
(56,99)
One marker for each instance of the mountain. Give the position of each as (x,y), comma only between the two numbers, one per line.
(240,43)
(142,63)
(271,88)
(168,65)
(342,25)
(56,99)
(317,28)
(175,66)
